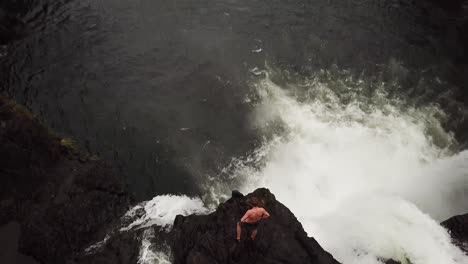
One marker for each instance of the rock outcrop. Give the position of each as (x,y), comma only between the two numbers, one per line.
(458,229)
(211,238)
(62,199)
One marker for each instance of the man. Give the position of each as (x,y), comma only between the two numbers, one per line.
(250,221)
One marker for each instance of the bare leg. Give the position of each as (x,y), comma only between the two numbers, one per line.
(239,230)
(254,234)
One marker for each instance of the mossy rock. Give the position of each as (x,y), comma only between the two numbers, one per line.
(15,118)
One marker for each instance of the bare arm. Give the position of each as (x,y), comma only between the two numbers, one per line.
(265,214)
(245,217)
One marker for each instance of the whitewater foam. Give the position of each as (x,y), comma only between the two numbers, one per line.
(158,212)
(162,209)
(368,177)
(149,254)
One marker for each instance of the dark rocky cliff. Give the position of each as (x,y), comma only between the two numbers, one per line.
(61,199)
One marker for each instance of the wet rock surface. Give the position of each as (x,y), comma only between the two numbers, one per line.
(120,248)
(458,229)
(61,201)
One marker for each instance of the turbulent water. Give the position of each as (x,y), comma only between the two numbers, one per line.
(369,176)
(342,108)
(366,178)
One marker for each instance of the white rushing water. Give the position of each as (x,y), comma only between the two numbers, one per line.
(159,211)
(162,210)
(369,178)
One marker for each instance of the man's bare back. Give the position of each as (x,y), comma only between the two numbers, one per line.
(250,218)
(254,214)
